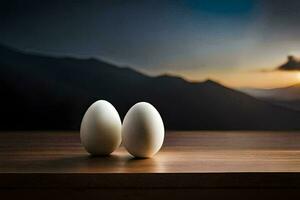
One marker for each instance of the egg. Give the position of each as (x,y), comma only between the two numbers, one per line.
(100,130)
(143,130)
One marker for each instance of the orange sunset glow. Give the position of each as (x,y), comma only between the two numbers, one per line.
(251,79)
(242,78)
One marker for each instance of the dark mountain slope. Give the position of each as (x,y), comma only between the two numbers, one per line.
(41,92)
(288,97)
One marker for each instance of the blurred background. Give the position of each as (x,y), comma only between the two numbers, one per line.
(205,65)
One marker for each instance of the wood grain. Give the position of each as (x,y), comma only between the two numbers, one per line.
(182,152)
(193,165)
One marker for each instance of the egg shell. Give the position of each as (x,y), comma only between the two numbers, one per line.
(143,130)
(100,130)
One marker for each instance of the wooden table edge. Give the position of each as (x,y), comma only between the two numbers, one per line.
(151,180)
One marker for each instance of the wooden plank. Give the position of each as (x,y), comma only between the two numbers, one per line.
(183,152)
(209,165)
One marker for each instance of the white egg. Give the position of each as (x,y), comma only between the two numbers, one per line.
(143,130)
(100,130)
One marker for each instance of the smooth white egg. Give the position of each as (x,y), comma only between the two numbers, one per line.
(100,130)
(143,130)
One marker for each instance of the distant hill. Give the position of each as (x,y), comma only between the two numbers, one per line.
(288,96)
(42,92)
(286,93)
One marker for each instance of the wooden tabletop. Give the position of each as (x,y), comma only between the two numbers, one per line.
(201,164)
(182,152)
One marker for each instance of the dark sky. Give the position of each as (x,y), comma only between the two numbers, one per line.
(192,38)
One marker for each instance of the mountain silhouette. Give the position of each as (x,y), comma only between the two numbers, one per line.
(287,96)
(42,93)
(285,93)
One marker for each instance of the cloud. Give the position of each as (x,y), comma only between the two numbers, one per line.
(292,64)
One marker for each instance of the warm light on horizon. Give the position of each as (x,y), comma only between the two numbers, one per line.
(298,76)
(244,79)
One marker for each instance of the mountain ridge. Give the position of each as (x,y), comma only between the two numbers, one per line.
(288,97)
(43,92)
(291,92)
